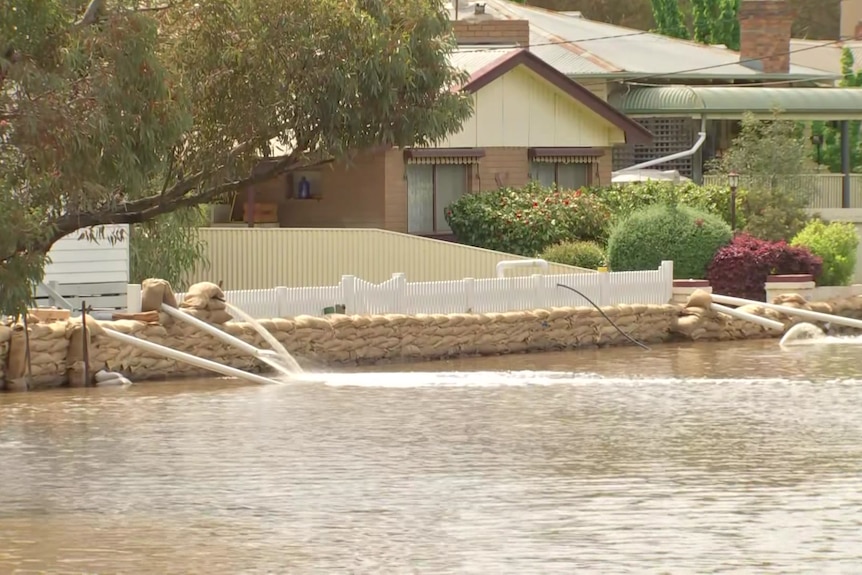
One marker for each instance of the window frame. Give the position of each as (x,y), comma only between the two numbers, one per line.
(590,168)
(467,158)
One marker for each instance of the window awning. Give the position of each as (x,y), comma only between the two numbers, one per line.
(732,102)
(443,155)
(565,155)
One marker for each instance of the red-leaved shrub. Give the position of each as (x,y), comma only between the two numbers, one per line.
(740,268)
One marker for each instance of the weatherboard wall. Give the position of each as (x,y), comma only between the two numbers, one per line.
(520,109)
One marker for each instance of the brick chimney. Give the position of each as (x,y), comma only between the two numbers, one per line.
(857,33)
(485,29)
(764,35)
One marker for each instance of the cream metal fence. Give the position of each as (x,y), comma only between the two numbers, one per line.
(256,258)
(826,189)
(469,295)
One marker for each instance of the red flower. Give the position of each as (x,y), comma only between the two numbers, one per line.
(698,222)
(535,204)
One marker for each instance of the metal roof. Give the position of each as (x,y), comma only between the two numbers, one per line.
(636,52)
(473,58)
(735,101)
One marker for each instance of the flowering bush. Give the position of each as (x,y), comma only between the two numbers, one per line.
(741,268)
(685,235)
(524,221)
(579,254)
(623,199)
(836,245)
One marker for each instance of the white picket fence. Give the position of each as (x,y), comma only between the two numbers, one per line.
(397,295)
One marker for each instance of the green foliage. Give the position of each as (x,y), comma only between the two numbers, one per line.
(830,151)
(582,254)
(669,19)
(137,113)
(836,245)
(524,221)
(713,21)
(772,156)
(688,236)
(168,247)
(623,199)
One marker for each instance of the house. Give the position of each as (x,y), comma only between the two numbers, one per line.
(677,88)
(529,121)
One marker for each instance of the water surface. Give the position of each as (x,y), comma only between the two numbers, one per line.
(737,458)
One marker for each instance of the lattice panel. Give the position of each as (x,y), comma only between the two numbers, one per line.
(670,135)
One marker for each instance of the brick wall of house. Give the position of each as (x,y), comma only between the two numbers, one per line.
(501,167)
(764,33)
(345,196)
(492,31)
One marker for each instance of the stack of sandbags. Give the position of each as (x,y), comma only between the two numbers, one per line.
(110,354)
(5,338)
(206,302)
(48,345)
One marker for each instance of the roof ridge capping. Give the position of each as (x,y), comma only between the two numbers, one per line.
(634,132)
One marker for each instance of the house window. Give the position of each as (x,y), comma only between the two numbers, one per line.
(436,177)
(565,176)
(431,188)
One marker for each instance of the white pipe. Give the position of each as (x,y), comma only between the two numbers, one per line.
(509,264)
(687,153)
(764,321)
(261,354)
(187,358)
(805,313)
(278,350)
(211,329)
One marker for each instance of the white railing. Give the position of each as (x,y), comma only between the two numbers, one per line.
(397,295)
(826,190)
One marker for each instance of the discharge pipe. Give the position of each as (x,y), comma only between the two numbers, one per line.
(510,264)
(677,156)
(188,358)
(803,313)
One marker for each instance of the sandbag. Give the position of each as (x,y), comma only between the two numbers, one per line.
(154,293)
(207,290)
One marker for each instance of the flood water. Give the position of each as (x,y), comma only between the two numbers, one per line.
(710,458)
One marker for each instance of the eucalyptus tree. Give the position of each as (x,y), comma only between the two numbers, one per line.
(119,111)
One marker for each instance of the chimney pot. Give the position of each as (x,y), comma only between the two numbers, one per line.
(857,33)
(478,8)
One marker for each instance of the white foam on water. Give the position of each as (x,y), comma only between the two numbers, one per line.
(490,379)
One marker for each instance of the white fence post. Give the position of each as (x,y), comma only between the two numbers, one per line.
(348,289)
(666,275)
(133,298)
(605,289)
(470,294)
(281,298)
(537,285)
(400,290)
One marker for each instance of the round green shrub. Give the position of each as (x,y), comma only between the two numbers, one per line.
(524,221)
(580,254)
(836,245)
(688,236)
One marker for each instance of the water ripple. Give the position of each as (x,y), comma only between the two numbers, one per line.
(693,459)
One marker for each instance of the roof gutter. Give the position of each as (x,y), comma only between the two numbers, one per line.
(686,154)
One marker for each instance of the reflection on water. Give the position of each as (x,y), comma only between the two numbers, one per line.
(693,459)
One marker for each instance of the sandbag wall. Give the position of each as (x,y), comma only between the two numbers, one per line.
(5,338)
(57,348)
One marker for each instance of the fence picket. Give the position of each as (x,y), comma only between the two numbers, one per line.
(468,295)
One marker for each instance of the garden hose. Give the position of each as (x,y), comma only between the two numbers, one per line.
(604,315)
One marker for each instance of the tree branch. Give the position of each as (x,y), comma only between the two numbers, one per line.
(145,209)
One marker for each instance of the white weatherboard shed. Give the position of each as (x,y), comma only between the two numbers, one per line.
(93,271)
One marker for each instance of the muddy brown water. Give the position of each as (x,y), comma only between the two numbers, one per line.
(704,458)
